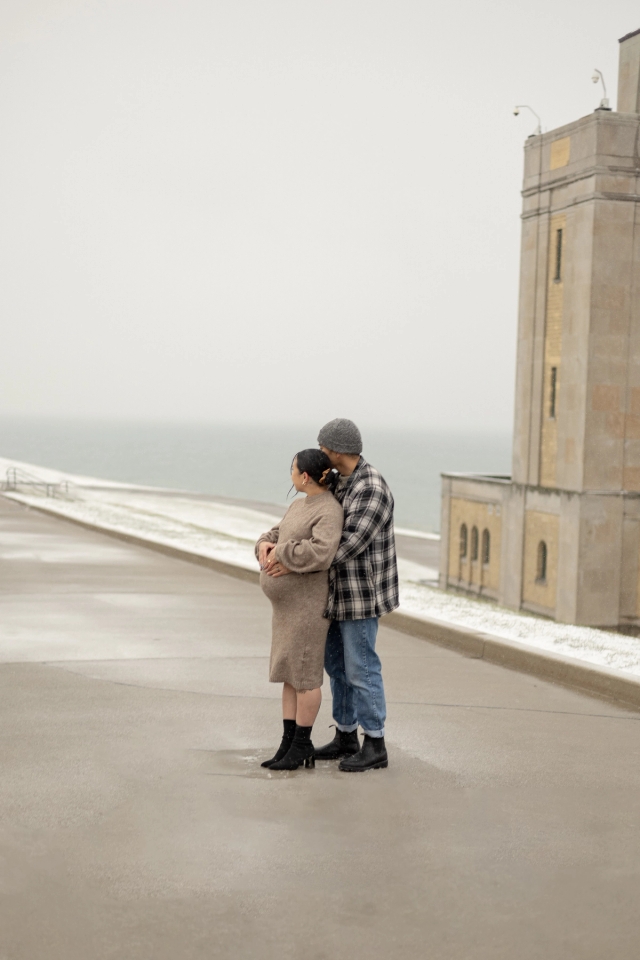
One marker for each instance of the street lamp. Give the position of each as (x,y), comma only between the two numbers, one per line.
(525,106)
(604,103)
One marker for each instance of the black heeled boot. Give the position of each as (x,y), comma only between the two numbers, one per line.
(373,756)
(343,745)
(301,751)
(285,743)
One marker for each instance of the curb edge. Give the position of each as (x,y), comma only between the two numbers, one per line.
(603,682)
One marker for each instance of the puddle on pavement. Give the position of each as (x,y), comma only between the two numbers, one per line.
(246,763)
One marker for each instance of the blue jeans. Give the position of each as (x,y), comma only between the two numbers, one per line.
(356,678)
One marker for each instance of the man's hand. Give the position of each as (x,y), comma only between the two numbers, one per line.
(263,553)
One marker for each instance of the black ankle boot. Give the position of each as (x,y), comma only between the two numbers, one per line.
(287,740)
(372,756)
(343,745)
(301,751)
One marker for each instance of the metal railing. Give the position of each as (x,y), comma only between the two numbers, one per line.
(18,480)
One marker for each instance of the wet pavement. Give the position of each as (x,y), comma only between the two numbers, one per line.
(136,821)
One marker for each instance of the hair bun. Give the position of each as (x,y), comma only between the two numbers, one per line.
(332,479)
(317,464)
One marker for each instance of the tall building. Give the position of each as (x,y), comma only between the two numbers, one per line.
(561,536)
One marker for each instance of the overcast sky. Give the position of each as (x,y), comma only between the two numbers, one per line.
(276,210)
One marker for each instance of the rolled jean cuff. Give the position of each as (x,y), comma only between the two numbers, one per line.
(374,733)
(349,728)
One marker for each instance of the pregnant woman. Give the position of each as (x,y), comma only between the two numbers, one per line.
(303,546)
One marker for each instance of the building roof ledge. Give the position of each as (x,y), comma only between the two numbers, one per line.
(485,477)
(628,36)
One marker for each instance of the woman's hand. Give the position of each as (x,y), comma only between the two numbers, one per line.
(273,568)
(263,553)
(277,570)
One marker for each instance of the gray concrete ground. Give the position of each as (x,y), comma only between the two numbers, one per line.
(137,824)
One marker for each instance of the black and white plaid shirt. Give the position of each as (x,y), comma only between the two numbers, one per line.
(363,580)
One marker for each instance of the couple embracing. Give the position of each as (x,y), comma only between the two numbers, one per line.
(329,569)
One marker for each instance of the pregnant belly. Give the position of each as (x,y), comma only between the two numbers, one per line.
(280,589)
(293,587)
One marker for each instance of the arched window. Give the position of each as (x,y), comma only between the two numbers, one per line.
(474,543)
(486,546)
(541,566)
(463,540)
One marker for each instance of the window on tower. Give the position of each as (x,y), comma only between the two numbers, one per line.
(553,386)
(558,273)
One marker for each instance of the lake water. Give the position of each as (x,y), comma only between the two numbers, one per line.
(250,461)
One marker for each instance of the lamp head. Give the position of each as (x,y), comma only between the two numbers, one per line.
(595,77)
(516,111)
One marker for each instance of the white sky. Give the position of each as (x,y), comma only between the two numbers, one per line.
(278,209)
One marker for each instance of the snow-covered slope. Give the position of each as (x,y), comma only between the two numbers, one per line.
(228,532)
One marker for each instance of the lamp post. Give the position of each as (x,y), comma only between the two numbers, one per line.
(597,76)
(525,106)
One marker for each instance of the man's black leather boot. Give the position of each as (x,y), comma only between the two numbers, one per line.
(342,745)
(372,756)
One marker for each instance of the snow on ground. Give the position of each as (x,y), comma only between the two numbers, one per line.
(228,532)
(48,475)
(602,647)
(211,529)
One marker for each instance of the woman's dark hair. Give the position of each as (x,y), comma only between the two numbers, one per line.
(315,463)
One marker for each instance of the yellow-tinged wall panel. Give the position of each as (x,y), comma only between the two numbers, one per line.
(638,592)
(552,382)
(540,527)
(482,516)
(560,153)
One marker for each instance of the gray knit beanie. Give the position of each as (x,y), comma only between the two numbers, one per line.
(341,435)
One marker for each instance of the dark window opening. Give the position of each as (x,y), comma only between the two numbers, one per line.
(553,386)
(486,546)
(558,274)
(463,540)
(541,567)
(474,543)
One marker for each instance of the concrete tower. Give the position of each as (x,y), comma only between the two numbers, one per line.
(562,535)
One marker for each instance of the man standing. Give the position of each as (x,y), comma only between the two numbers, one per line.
(363,586)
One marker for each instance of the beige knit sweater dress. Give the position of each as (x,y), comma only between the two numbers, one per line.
(307,539)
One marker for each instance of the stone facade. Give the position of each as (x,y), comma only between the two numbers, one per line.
(564,530)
